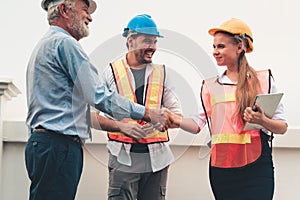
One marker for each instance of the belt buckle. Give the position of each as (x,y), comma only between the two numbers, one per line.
(75,139)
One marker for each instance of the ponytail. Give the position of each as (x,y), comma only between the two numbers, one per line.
(248,85)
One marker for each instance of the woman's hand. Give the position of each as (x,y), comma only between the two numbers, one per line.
(258,117)
(255,117)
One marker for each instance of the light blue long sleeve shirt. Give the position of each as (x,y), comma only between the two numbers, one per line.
(62,83)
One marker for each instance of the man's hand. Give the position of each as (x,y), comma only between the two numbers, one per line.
(160,118)
(148,128)
(175,122)
(132,130)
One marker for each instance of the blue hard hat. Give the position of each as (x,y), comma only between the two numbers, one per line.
(142,24)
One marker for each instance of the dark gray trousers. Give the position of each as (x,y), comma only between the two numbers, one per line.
(124,185)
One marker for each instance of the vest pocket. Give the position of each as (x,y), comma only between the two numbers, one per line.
(163,190)
(112,192)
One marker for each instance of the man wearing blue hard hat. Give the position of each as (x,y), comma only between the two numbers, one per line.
(138,165)
(62,84)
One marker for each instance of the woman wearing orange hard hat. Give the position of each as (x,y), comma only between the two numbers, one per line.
(241,165)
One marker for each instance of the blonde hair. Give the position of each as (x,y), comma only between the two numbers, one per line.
(248,85)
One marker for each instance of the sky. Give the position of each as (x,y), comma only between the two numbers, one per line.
(274,23)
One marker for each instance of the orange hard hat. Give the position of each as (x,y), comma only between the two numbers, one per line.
(236,27)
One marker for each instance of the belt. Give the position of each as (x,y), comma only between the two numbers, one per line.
(74,138)
(139,148)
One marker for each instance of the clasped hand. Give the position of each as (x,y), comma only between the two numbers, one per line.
(255,117)
(159,119)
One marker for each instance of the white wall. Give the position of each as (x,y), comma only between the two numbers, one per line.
(274,24)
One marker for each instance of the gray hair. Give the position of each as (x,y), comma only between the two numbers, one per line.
(53,11)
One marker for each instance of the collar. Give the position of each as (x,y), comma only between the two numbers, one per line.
(223,79)
(59,29)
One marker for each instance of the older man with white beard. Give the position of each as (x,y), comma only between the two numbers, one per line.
(61,86)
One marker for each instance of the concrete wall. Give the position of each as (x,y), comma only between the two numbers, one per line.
(188,175)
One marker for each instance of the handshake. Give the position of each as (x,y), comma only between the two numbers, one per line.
(162,119)
(154,119)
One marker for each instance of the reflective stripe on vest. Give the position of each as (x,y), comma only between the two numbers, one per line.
(153,99)
(231,146)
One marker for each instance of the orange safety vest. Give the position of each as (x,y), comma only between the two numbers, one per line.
(231,147)
(153,100)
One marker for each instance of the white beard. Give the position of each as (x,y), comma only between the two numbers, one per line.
(78,27)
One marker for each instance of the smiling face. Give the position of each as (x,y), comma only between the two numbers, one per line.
(79,18)
(226,49)
(142,47)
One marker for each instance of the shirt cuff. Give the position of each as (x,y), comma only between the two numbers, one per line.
(138,112)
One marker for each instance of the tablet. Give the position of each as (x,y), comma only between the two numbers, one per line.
(269,103)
